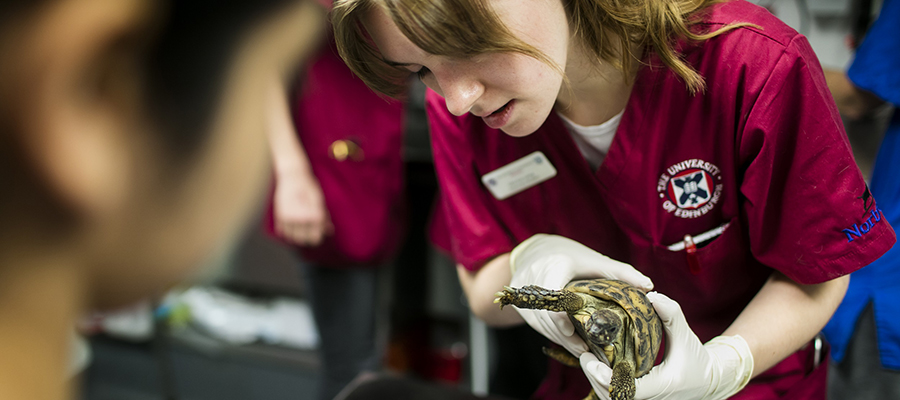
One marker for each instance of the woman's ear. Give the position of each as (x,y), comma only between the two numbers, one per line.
(78,104)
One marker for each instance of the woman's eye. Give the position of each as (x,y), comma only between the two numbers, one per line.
(422,72)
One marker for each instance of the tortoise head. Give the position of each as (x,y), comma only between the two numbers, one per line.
(603,327)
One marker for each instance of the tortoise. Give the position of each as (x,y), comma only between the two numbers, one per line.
(615,319)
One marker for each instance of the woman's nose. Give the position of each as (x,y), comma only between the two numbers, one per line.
(460,91)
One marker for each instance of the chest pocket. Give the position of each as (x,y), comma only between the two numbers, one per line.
(726,277)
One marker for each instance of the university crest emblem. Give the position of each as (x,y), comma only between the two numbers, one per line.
(690,189)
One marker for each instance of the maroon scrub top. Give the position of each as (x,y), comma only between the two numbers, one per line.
(363,187)
(762,150)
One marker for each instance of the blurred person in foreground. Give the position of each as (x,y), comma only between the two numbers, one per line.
(132,149)
(865,330)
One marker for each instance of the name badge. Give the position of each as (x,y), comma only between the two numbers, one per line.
(518,175)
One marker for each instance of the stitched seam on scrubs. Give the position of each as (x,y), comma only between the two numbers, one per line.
(834,267)
(859,249)
(842,268)
(748,29)
(854,253)
(739,139)
(752,105)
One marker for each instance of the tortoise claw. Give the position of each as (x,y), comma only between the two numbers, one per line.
(504,297)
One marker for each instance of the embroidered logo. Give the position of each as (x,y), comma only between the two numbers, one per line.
(858,230)
(690,189)
(867,199)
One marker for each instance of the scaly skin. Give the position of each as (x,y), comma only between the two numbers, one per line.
(621,386)
(537,298)
(600,327)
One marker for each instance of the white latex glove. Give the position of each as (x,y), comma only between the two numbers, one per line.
(552,261)
(691,370)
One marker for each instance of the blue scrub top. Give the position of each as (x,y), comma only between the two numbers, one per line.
(876,69)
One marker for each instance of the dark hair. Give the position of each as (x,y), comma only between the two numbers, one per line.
(186,60)
(187,63)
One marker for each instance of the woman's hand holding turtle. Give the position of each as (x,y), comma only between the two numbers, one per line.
(690,370)
(552,261)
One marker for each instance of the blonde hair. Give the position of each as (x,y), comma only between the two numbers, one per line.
(461,28)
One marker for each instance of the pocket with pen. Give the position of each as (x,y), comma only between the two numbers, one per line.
(709,249)
(724,278)
(691,243)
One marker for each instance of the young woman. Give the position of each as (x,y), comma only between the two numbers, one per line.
(132,150)
(694,143)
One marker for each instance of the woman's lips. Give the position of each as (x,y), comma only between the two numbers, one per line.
(498,118)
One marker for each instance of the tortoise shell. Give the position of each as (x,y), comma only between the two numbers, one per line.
(647,327)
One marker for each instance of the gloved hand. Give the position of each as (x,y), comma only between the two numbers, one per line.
(691,370)
(552,261)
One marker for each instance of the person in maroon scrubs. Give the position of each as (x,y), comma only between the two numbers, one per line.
(337,201)
(688,147)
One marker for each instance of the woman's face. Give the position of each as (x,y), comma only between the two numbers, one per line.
(172,224)
(509,91)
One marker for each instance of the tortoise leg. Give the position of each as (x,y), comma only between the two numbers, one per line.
(562,355)
(537,298)
(592,396)
(621,386)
